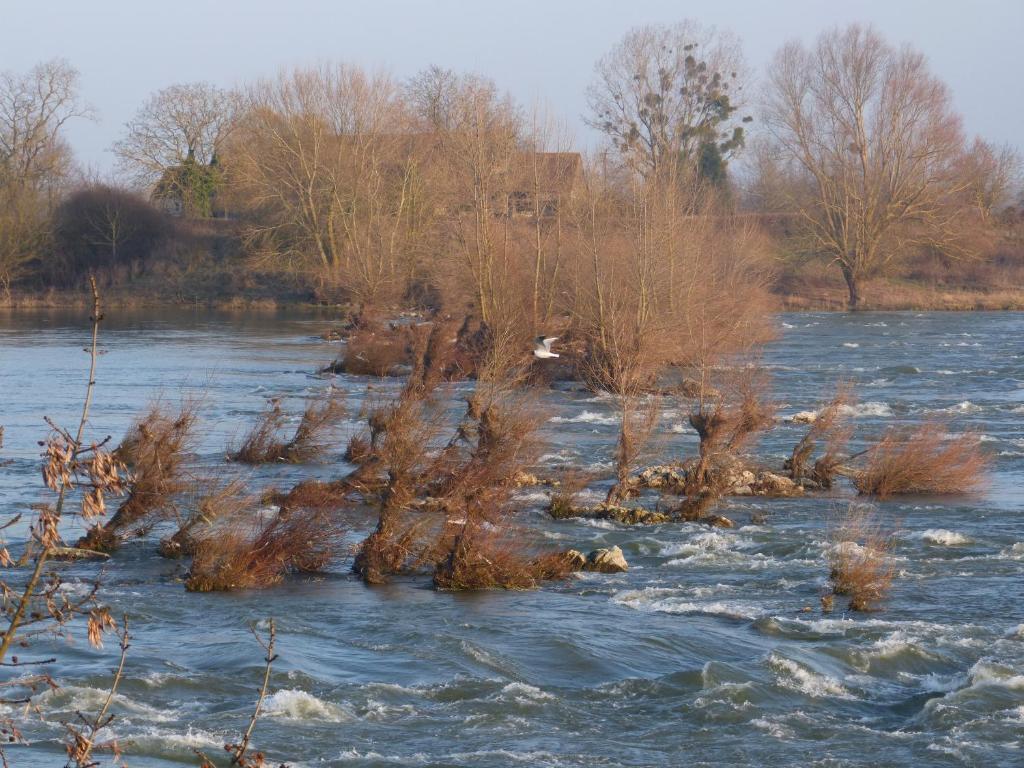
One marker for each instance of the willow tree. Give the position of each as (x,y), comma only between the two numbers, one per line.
(871,148)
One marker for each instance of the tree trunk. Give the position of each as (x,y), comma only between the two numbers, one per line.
(852,286)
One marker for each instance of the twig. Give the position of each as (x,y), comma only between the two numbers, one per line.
(81,748)
(240,749)
(30,587)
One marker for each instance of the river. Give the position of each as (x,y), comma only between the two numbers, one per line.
(711,650)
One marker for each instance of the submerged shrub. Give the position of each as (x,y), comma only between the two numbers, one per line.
(923,459)
(243,554)
(215,500)
(860,558)
(155,451)
(313,437)
(832,428)
(482,557)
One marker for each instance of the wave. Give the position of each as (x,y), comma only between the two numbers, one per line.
(642,600)
(75,698)
(293,704)
(587,417)
(524,693)
(944,538)
(158,740)
(797,677)
(867,409)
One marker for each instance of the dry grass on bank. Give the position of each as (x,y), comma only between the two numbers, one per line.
(312,439)
(923,459)
(860,558)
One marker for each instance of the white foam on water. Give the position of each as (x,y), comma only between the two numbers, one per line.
(377,757)
(851,344)
(561,457)
(867,409)
(533,497)
(74,698)
(984,674)
(674,602)
(587,417)
(151,738)
(524,693)
(797,677)
(964,406)
(1015,552)
(942,537)
(294,704)
(774,729)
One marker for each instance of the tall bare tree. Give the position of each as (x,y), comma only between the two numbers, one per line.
(189,120)
(479,149)
(668,95)
(34,160)
(871,146)
(331,173)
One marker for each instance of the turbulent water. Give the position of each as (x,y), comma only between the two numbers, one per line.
(711,650)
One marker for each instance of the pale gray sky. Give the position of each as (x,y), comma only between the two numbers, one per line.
(536,49)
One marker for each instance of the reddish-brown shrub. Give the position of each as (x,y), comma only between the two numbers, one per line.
(923,459)
(484,557)
(830,426)
(155,450)
(244,554)
(380,351)
(313,437)
(214,500)
(860,558)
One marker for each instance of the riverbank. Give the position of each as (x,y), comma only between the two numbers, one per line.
(884,295)
(897,295)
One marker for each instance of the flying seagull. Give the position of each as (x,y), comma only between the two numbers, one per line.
(543,347)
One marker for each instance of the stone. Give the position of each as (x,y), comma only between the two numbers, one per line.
(718,521)
(609,560)
(804,417)
(575,559)
(771,484)
(627,515)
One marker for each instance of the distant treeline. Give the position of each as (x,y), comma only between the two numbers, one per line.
(331,183)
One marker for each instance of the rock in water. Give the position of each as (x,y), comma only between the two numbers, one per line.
(771,484)
(575,559)
(606,561)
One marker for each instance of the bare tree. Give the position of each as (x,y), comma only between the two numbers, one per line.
(189,120)
(992,175)
(433,94)
(330,173)
(477,154)
(666,95)
(34,160)
(871,146)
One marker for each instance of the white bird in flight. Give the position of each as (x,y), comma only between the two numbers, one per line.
(543,347)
